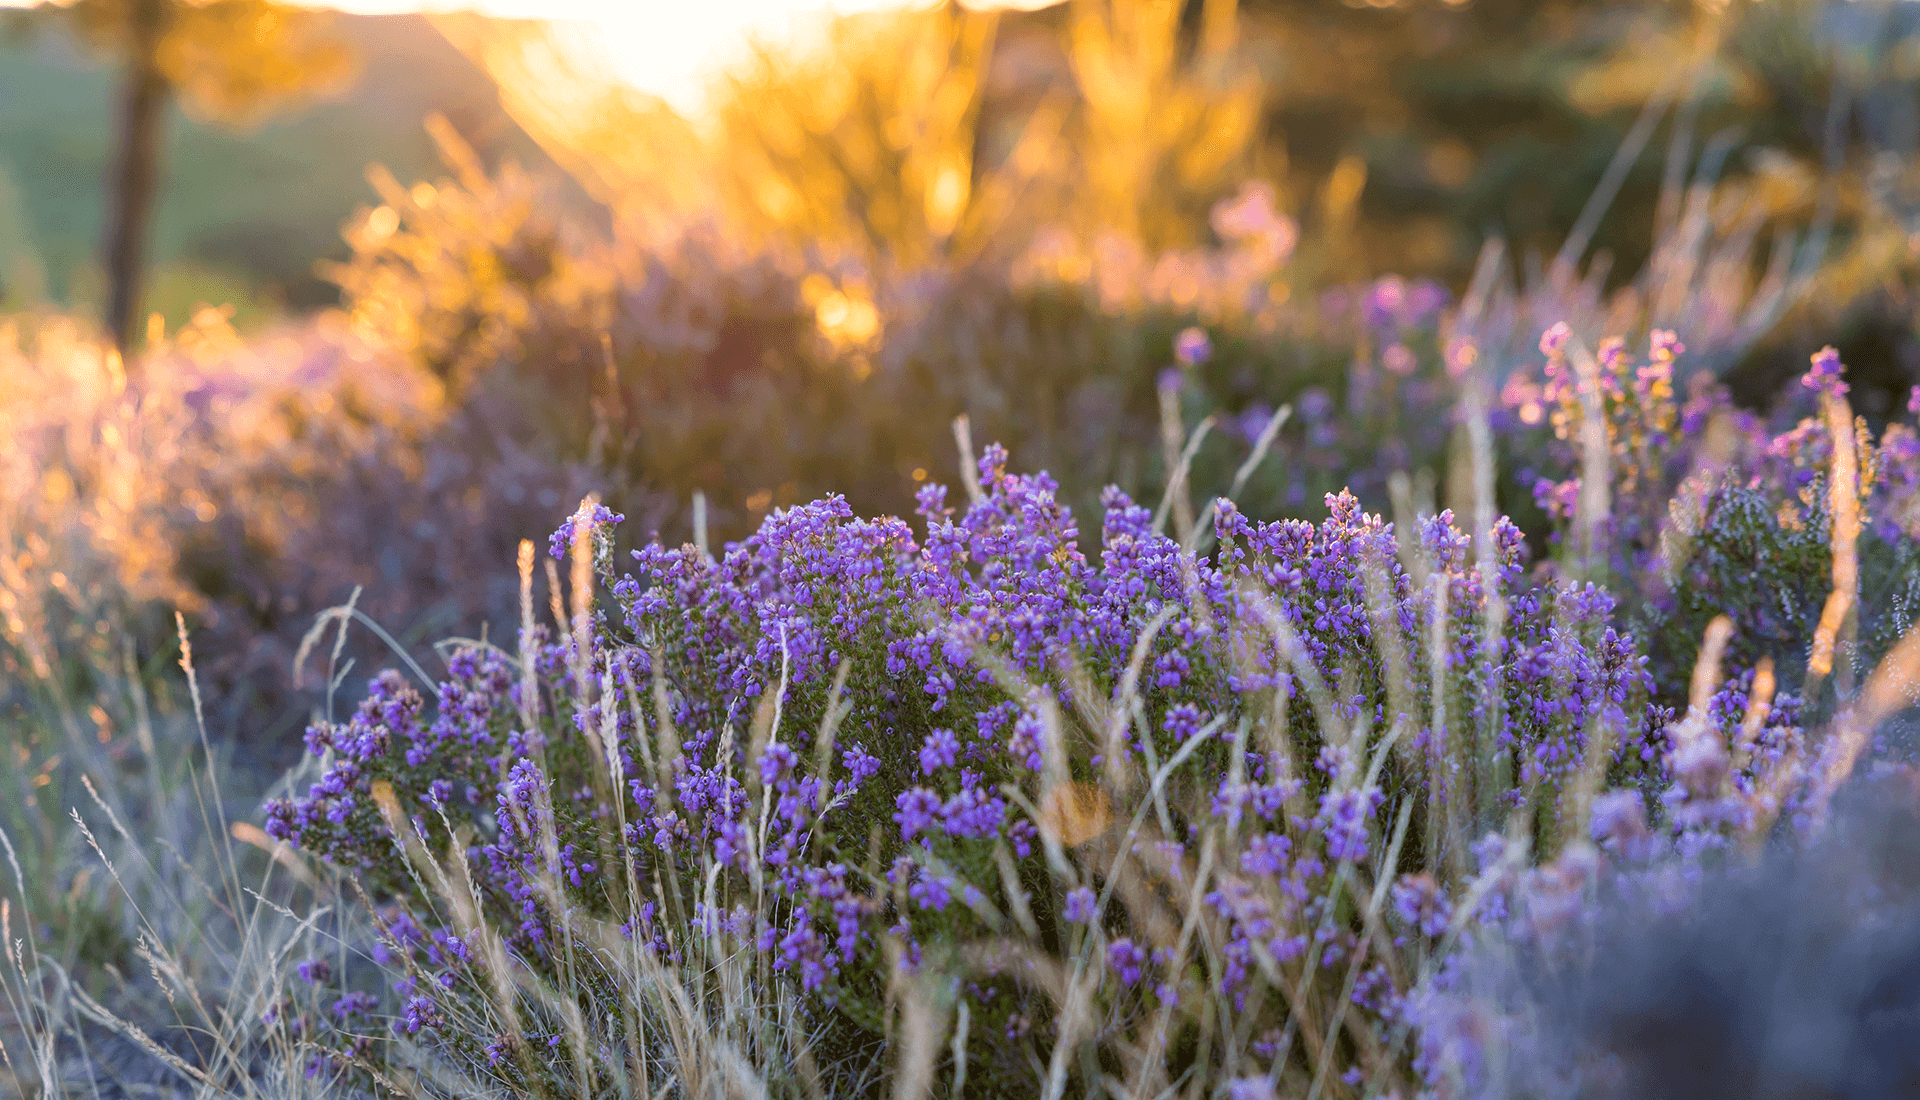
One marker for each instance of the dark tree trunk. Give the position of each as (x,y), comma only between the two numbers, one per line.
(143,101)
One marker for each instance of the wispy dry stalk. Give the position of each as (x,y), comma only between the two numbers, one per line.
(1834,638)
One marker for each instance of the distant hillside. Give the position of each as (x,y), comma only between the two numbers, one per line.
(242,213)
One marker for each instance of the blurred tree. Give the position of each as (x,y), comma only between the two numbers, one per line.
(234,60)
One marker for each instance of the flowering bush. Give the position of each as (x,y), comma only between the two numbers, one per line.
(854,755)
(1714,512)
(251,483)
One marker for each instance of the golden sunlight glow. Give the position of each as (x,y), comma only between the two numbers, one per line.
(669,48)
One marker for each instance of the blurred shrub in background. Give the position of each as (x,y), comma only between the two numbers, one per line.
(952,212)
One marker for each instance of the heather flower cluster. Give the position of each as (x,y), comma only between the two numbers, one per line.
(871,741)
(1714,510)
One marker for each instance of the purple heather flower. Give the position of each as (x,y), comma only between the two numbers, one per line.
(1422,903)
(315,971)
(1127,960)
(1344,816)
(930,891)
(1192,348)
(1253,421)
(1619,823)
(1665,345)
(421,1012)
(354,1004)
(918,809)
(939,751)
(1080,906)
(1315,404)
(973,813)
(1029,736)
(1825,375)
(1250,1088)
(1182,722)
(1425,299)
(561,540)
(1553,342)
(1385,303)
(859,763)
(1913,401)
(775,763)
(1266,854)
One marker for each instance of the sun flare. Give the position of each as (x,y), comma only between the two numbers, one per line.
(667,48)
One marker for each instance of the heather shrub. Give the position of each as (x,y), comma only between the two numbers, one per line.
(681,356)
(1653,965)
(251,484)
(1712,511)
(856,767)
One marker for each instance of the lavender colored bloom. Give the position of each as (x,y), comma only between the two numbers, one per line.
(601,517)
(859,763)
(1005,583)
(1343,819)
(1663,345)
(1619,823)
(1251,1088)
(1183,721)
(353,1005)
(1127,961)
(1080,904)
(939,751)
(1315,404)
(1385,303)
(1266,854)
(421,1013)
(917,810)
(1422,904)
(1913,400)
(775,763)
(930,891)
(1399,359)
(1028,737)
(1825,376)
(1192,348)
(973,813)
(1553,342)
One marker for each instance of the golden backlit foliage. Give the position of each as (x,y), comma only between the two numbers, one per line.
(935,134)
(919,136)
(1165,127)
(872,139)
